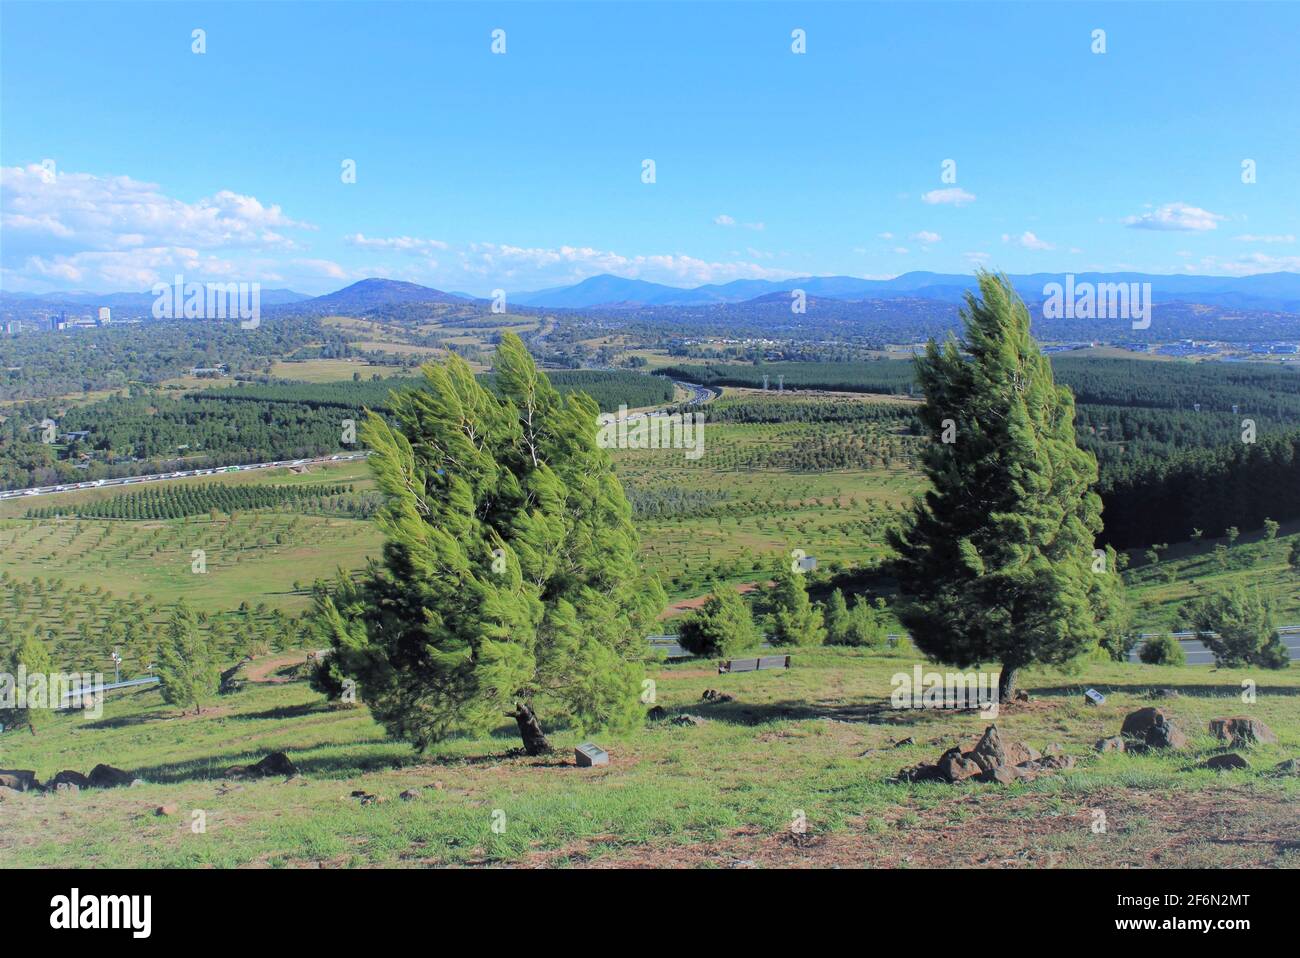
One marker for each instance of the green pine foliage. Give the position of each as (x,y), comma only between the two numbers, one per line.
(1162,650)
(509,574)
(996,562)
(722,626)
(837,619)
(1242,623)
(794,619)
(186,666)
(859,626)
(34,657)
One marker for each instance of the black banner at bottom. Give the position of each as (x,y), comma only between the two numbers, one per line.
(338,908)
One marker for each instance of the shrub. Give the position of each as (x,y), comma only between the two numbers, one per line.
(1163,650)
(722,626)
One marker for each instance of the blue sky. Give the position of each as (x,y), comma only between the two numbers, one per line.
(520,171)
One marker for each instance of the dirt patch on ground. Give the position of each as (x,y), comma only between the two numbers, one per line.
(987,828)
(263,670)
(687,605)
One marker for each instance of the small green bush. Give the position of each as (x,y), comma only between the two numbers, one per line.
(1163,650)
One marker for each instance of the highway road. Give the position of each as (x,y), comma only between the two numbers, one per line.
(165,476)
(1199,654)
(699,396)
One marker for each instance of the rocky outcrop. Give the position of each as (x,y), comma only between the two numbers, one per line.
(993,759)
(277,763)
(1225,762)
(106,776)
(19,779)
(956,767)
(70,778)
(1152,728)
(1242,732)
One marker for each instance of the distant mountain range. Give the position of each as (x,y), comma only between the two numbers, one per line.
(1272,292)
(1265,291)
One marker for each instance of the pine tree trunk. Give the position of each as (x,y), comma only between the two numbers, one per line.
(1007,681)
(530,730)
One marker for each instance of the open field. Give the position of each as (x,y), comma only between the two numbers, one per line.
(333,370)
(762,489)
(820,739)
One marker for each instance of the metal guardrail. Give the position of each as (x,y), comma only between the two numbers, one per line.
(110,687)
(669,644)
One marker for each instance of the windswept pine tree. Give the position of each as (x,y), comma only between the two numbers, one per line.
(996,561)
(794,619)
(187,671)
(30,658)
(509,580)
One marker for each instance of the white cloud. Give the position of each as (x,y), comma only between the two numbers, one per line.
(953,195)
(977,257)
(1275,238)
(1027,240)
(132,270)
(322,267)
(722,219)
(115,232)
(925,236)
(885,236)
(402,244)
(88,212)
(1175,216)
(528,267)
(901,250)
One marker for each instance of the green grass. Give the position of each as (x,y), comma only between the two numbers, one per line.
(1157,592)
(791,741)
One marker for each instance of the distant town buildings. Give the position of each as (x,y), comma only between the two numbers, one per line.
(210,372)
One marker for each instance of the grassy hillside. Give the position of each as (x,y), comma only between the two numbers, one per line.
(820,740)
(1187,569)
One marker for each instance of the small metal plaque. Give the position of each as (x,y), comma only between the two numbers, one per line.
(588,754)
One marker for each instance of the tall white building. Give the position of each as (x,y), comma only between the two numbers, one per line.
(105,316)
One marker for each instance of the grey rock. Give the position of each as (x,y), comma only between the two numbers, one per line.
(1225,762)
(106,776)
(1242,732)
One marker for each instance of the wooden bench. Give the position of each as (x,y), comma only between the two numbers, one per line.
(728,666)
